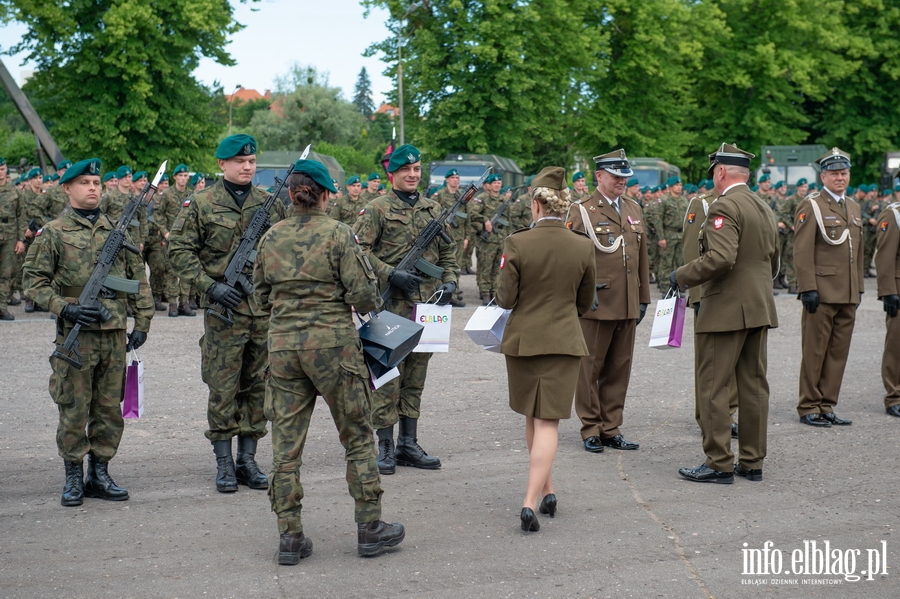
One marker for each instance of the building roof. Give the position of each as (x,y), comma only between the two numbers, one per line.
(248,95)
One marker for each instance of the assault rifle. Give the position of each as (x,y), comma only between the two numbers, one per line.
(102,285)
(498,219)
(240,269)
(413,259)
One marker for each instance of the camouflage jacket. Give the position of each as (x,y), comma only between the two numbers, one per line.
(62,259)
(447,199)
(12,213)
(37,207)
(345,209)
(671,217)
(308,272)
(519,213)
(168,205)
(113,205)
(206,234)
(367,196)
(482,208)
(387,228)
(57,201)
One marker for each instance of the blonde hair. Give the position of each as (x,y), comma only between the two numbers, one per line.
(555,202)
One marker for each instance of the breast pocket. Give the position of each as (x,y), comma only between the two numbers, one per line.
(75,248)
(397,231)
(220,233)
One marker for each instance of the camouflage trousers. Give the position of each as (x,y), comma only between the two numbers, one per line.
(89,399)
(466,261)
(232,363)
(402,396)
(160,269)
(176,288)
(488,265)
(668,259)
(339,374)
(459,236)
(8,263)
(787,258)
(869,243)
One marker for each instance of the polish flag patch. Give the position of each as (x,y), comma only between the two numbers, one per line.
(502,261)
(39,231)
(186,204)
(357,239)
(718,222)
(361,212)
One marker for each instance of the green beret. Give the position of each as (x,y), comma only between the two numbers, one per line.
(645,189)
(123,171)
(381,187)
(109,176)
(872,187)
(2,161)
(405,154)
(886,192)
(764,178)
(529,179)
(896,188)
(673,181)
(850,191)
(35,172)
(195,179)
(495,177)
(165,177)
(779,185)
(755,188)
(504,189)
(236,145)
(353,180)
(316,171)
(690,188)
(55,176)
(452,173)
(373,177)
(181,168)
(138,175)
(664,186)
(91,166)
(812,187)
(63,164)
(632,181)
(578,175)
(46,178)
(655,189)
(802,182)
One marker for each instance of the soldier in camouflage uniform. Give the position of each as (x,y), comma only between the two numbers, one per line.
(113,205)
(177,289)
(458,224)
(308,274)
(671,218)
(519,210)
(12,238)
(784,215)
(371,190)
(110,182)
(346,208)
(580,189)
(652,209)
(155,253)
(483,208)
(202,241)
(764,189)
(386,229)
(57,199)
(37,214)
(58,265)
(869,213)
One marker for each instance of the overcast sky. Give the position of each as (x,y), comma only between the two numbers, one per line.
(328,34)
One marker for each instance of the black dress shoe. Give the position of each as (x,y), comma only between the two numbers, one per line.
(548,505)
(619,442)
(593,445)
(705,474)
(893,410)
(734,430)
(836,420)
(815,420)
(529,520)
(748,473)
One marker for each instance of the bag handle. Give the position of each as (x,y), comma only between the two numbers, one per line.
(134,355)
(439,293)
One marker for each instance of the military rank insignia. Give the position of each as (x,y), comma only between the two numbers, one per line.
(884,225)
(802,218)
(718,222)
(502,261)
(691,218)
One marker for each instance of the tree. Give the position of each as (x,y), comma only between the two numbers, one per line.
(311,112)
(362,94)
(115,75)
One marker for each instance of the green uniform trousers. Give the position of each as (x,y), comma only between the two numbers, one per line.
(787,258)
(177,288)
(890,362)
(295,377)
(727,359)
(89,399)
(489,253)
(160,270)
(232,363)
(825,342)
(8,263)
(466,261)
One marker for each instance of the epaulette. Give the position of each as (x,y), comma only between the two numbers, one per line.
(582,233)
(520,230)
(812,195)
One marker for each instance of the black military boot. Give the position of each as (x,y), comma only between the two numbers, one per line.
(387,463)
(194,303)
(373,537)
(29,306)
(408,451)
(184,309)
(247,472)
(73,492)
(292,547)
(99,484)
(225,479)
(6,315)
(13,300)
(158,305)
(173,309)
(485,299)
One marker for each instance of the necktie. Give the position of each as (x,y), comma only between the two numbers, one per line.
(616,206)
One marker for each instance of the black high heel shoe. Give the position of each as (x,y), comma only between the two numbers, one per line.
(548,505)
(529,520)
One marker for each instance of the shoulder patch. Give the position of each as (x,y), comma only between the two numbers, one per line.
(691,218)
(357,239)
(502,261)
(884,226)
(39,231)
(361,212)
(186,204)
(718,222)
(802,218)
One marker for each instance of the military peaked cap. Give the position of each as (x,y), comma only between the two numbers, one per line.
(615,162)
(730,154)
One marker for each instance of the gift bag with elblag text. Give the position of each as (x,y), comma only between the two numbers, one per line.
(668,321)
(133,402)
(436,320)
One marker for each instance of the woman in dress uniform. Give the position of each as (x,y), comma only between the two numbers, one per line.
(547,279)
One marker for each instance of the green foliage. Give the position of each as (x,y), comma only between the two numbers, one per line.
(362,94)
(355,162)
(16,146)
(114,76)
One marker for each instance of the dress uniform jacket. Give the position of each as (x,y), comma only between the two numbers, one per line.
(887,267)
(693,225)
(625,272)
(547,279)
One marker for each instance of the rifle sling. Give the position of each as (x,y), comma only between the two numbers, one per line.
(75,292)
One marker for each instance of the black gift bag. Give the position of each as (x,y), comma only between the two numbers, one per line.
(388,338)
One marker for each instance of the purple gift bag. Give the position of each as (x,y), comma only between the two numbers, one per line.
(133,404)
(668,322)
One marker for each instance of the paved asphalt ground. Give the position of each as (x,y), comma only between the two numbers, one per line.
(627,525)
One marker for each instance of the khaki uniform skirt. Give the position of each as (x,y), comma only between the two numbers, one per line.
(542,386)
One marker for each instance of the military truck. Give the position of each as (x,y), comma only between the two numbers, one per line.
(275,164)
(471,167)
(652,172)
(790,163)
(890,176)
